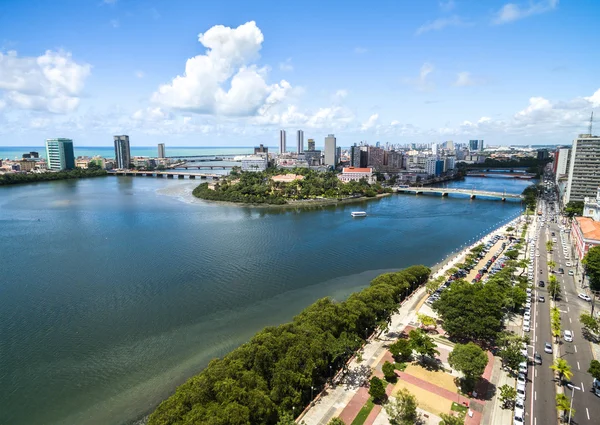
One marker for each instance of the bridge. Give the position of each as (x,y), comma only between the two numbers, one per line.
(524,176)
(210,167)
(444,191)
(170,174)
(201,158)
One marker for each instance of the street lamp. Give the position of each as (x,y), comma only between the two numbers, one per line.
(573,388)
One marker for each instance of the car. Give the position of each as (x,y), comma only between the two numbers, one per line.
(519,404)
(561,270)
(521,389)
(528,304)
(541,299)
(526,327)
(523,367)
(537,254)
(548,348)
(568,264)
(522,379)
(537,358)
(571,272)
(527,316)
(584,297)
(568,336)
(542,284)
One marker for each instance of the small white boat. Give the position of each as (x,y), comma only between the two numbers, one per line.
(358,214)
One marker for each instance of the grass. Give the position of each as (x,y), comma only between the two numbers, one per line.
(460,409)
(400,366)
(364,412)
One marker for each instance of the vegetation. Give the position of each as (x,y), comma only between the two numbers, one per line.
(389,372)
(509,345)
(377,390)
(258,187)
(470,360)
(422,344)
(451,420)
(555,322)
(363,413)
(554,287)
(532,164)
(434,284)
(401,350)
(549,246)
(574,208)
(508,395)
(591,261)
(273,373)
(551,265)
(594,369)
(426,321)
(16,178)
(589,322)
(402,409)
(563,405)
(562,367)
(531,194)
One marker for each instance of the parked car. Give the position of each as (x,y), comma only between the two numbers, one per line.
(542,284)
(584,297)
(541,299)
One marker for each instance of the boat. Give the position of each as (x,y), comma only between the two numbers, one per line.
(358,214)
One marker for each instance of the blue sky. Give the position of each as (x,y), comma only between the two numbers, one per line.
(232,73)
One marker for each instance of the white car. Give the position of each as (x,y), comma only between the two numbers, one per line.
(571,272)
(526,327)
(568,336)
(528,304)
(548,348)
(537,254)
(522,379)
(519,417)
(521,391)
(568,264)
(584,297)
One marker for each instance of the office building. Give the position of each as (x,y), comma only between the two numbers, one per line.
(60,154)
(311,144)
(312,157)
(355,156)
(449,163)
(375,157)
(561,162)
(255,163)
(300,141)
(434,148)
(282,141)
(161,150)
(475,145)
(261,149)
(27,164)
(122,152)
(330,150)
(31,155)
(542,154)
(584,168)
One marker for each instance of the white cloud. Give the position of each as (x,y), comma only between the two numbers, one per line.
(464,79)
(370,123)
(440,24)
(229,57)
(287,65)
(511,12)
(447,5)
(139,74)
(52,82)
(151,114)
(339,96)
(594,99)
(114,23)
(422,82)
(360,50)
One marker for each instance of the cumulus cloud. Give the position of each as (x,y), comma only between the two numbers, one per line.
(52,82)
(422,82)
(511,12)
(464,79)
(151,114)
(229,58)
(370,123)
(440,24)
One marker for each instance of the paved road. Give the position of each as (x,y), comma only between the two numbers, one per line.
(542,395)
(577,353)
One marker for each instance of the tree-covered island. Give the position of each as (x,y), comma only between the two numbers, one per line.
(275,187)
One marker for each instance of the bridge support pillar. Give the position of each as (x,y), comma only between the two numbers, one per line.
(169,176)
(473,196)
(160,175)
(180,176)
(192,177)
(418,193)
(444,194)
(503,199)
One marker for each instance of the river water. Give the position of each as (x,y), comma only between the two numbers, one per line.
(114,290)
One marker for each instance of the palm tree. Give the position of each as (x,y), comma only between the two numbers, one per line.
(523,265)
(562,367)
(562,404)
(551,264)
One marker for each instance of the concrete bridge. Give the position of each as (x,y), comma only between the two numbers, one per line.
(444,191)
(169,174)
(210,167)
(202,158)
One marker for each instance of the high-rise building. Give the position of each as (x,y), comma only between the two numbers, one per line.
(355,156)
(375,157)
(311,144)
(434,148)
(475,145)
(330,150)
(261,149)
(281,141)
(561,163)
(161,150)
(122,151)
(584,169)
(59,153)
(542,154)
(300,141)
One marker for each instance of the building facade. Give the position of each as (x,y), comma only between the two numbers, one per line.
(311,144)
(261,149)
(330,150)
(312,157)
(282,147)
(561,163)
(475,145)
(585,234)
(356,174)
(161,150)
(584,168)
(255,163)
(300,141)
(59,153)
(122,151)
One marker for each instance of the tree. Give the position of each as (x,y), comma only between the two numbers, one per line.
(450,419)
(563,405)
(426,320)
(401,350)
(389,372)
(402,409)
(434,284)
(553,287)
(377,390)
(508,394)
(469,359)
(588,321)
(422,343)
(551,265)
(286,418)
(522,264)
(511,356)
(574,208)
(549,246)
(510,229)
(591,261)
(512,254)
(561,366)
(336,421)
(594,369)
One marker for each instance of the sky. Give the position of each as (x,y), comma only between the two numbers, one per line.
(233,73)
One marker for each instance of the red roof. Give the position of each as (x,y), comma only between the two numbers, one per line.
(589,228)
(357,170)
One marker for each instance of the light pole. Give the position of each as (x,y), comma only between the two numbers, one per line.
(573,388)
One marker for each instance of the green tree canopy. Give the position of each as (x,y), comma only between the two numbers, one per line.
(591,261)
(508,394)
(377,389)
(389,372)
(594,369)
(469,359)
(402,409)
(401,350)
(574,208)
(422,343)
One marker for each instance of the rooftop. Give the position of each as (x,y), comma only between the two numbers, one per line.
(357,170)
(287,177)
(589,228)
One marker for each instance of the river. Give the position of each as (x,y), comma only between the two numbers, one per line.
(116,289)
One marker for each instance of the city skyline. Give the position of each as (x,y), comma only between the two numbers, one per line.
(240,72)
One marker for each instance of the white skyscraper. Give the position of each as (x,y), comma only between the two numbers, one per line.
(330,150)
(281,141)
(434,149)
(300,142)
(584,164)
